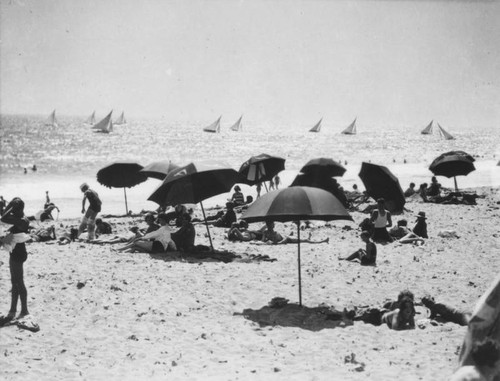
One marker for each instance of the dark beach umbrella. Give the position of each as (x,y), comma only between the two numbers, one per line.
(194,183)
(121,175)
(260,168)
(324,166)
(296,204)
(484,323)
(159,169)
(381,183)
(317,180)
(453,164)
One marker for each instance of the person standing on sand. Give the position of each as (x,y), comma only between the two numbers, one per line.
(381,219)
(2,205)
(14,215)
(271,184)
(259,189)
(88,221)
(277,181)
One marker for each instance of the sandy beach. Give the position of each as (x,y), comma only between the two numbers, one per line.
(109,315)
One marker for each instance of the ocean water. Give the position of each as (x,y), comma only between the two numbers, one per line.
(71,153)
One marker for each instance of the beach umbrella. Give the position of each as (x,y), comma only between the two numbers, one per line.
(159,169)
(121,175)
(453,164)
(380,182)
(194,183)
(484,322)
(323,166)
(296,204)
(260,168)
(324,182)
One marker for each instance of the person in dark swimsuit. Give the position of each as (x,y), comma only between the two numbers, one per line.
(88,220)
(14,215)
(367,256)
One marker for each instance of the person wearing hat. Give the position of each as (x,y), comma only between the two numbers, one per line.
(420,228)
(88,220)
(237,198)
(381,219)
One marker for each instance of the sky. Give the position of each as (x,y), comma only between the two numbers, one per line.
(276,61)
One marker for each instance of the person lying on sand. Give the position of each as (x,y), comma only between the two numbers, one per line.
(486,356)
(43,234)
(239,232)
(129,237)
(272,237)
(445,312)
(367,256)
(157,241)
(102,227)
(403,317)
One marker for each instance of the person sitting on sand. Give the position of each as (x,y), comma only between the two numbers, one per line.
(486,356)
(420,228)
(367,256)
(157,241)
(226,219)
(176,215)
(403,317)
(184,237)
(410,191)
(400,230)
(237,198)
(422,191)
(381,219)
(102,227)
(149,218)
(435,188)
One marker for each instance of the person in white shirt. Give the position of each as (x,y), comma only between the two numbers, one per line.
(157,241)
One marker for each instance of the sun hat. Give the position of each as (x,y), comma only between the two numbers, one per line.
(421,215)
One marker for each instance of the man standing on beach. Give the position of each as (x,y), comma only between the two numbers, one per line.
(95,203)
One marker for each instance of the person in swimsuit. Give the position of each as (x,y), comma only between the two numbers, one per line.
(367,256)
(88,221)
(382,220)
(14,215)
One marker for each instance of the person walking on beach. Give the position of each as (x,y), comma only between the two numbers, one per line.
(271,184)
(277,181)
(259,189)
(14,215)
(88,220)
(381,219)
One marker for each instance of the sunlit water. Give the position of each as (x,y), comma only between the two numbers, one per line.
(71,153)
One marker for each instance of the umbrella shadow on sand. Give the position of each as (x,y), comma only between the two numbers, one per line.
(280,313)
(205,254)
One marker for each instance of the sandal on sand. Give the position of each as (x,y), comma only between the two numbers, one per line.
(28,324)
(6,319)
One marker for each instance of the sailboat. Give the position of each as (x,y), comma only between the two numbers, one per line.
(429,129)
(444,133)
(214,127)
(351,129)
(237,126)
(52,121)
(91,119)
(317,126)
(121,119)
(105,125)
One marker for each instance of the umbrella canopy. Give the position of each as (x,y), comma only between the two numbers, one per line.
(381,183)
(121,175)
(317,180)
(324,166)
(260,168)
(296,204)
(194,183)
(452,164)
(159,169)
(484,322)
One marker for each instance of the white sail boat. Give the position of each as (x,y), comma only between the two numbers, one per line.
(105,125)
(214,127)
(121,119)
(91,119)
(52,121)
(237,126)
(444,133)
(429,129)
(351,129)
(317,126)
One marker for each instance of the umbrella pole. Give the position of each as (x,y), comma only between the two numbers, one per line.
(298,259)
(206,224)
(126,206)
(456,187)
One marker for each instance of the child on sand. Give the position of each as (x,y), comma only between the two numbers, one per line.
(367,256)
(14,215)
